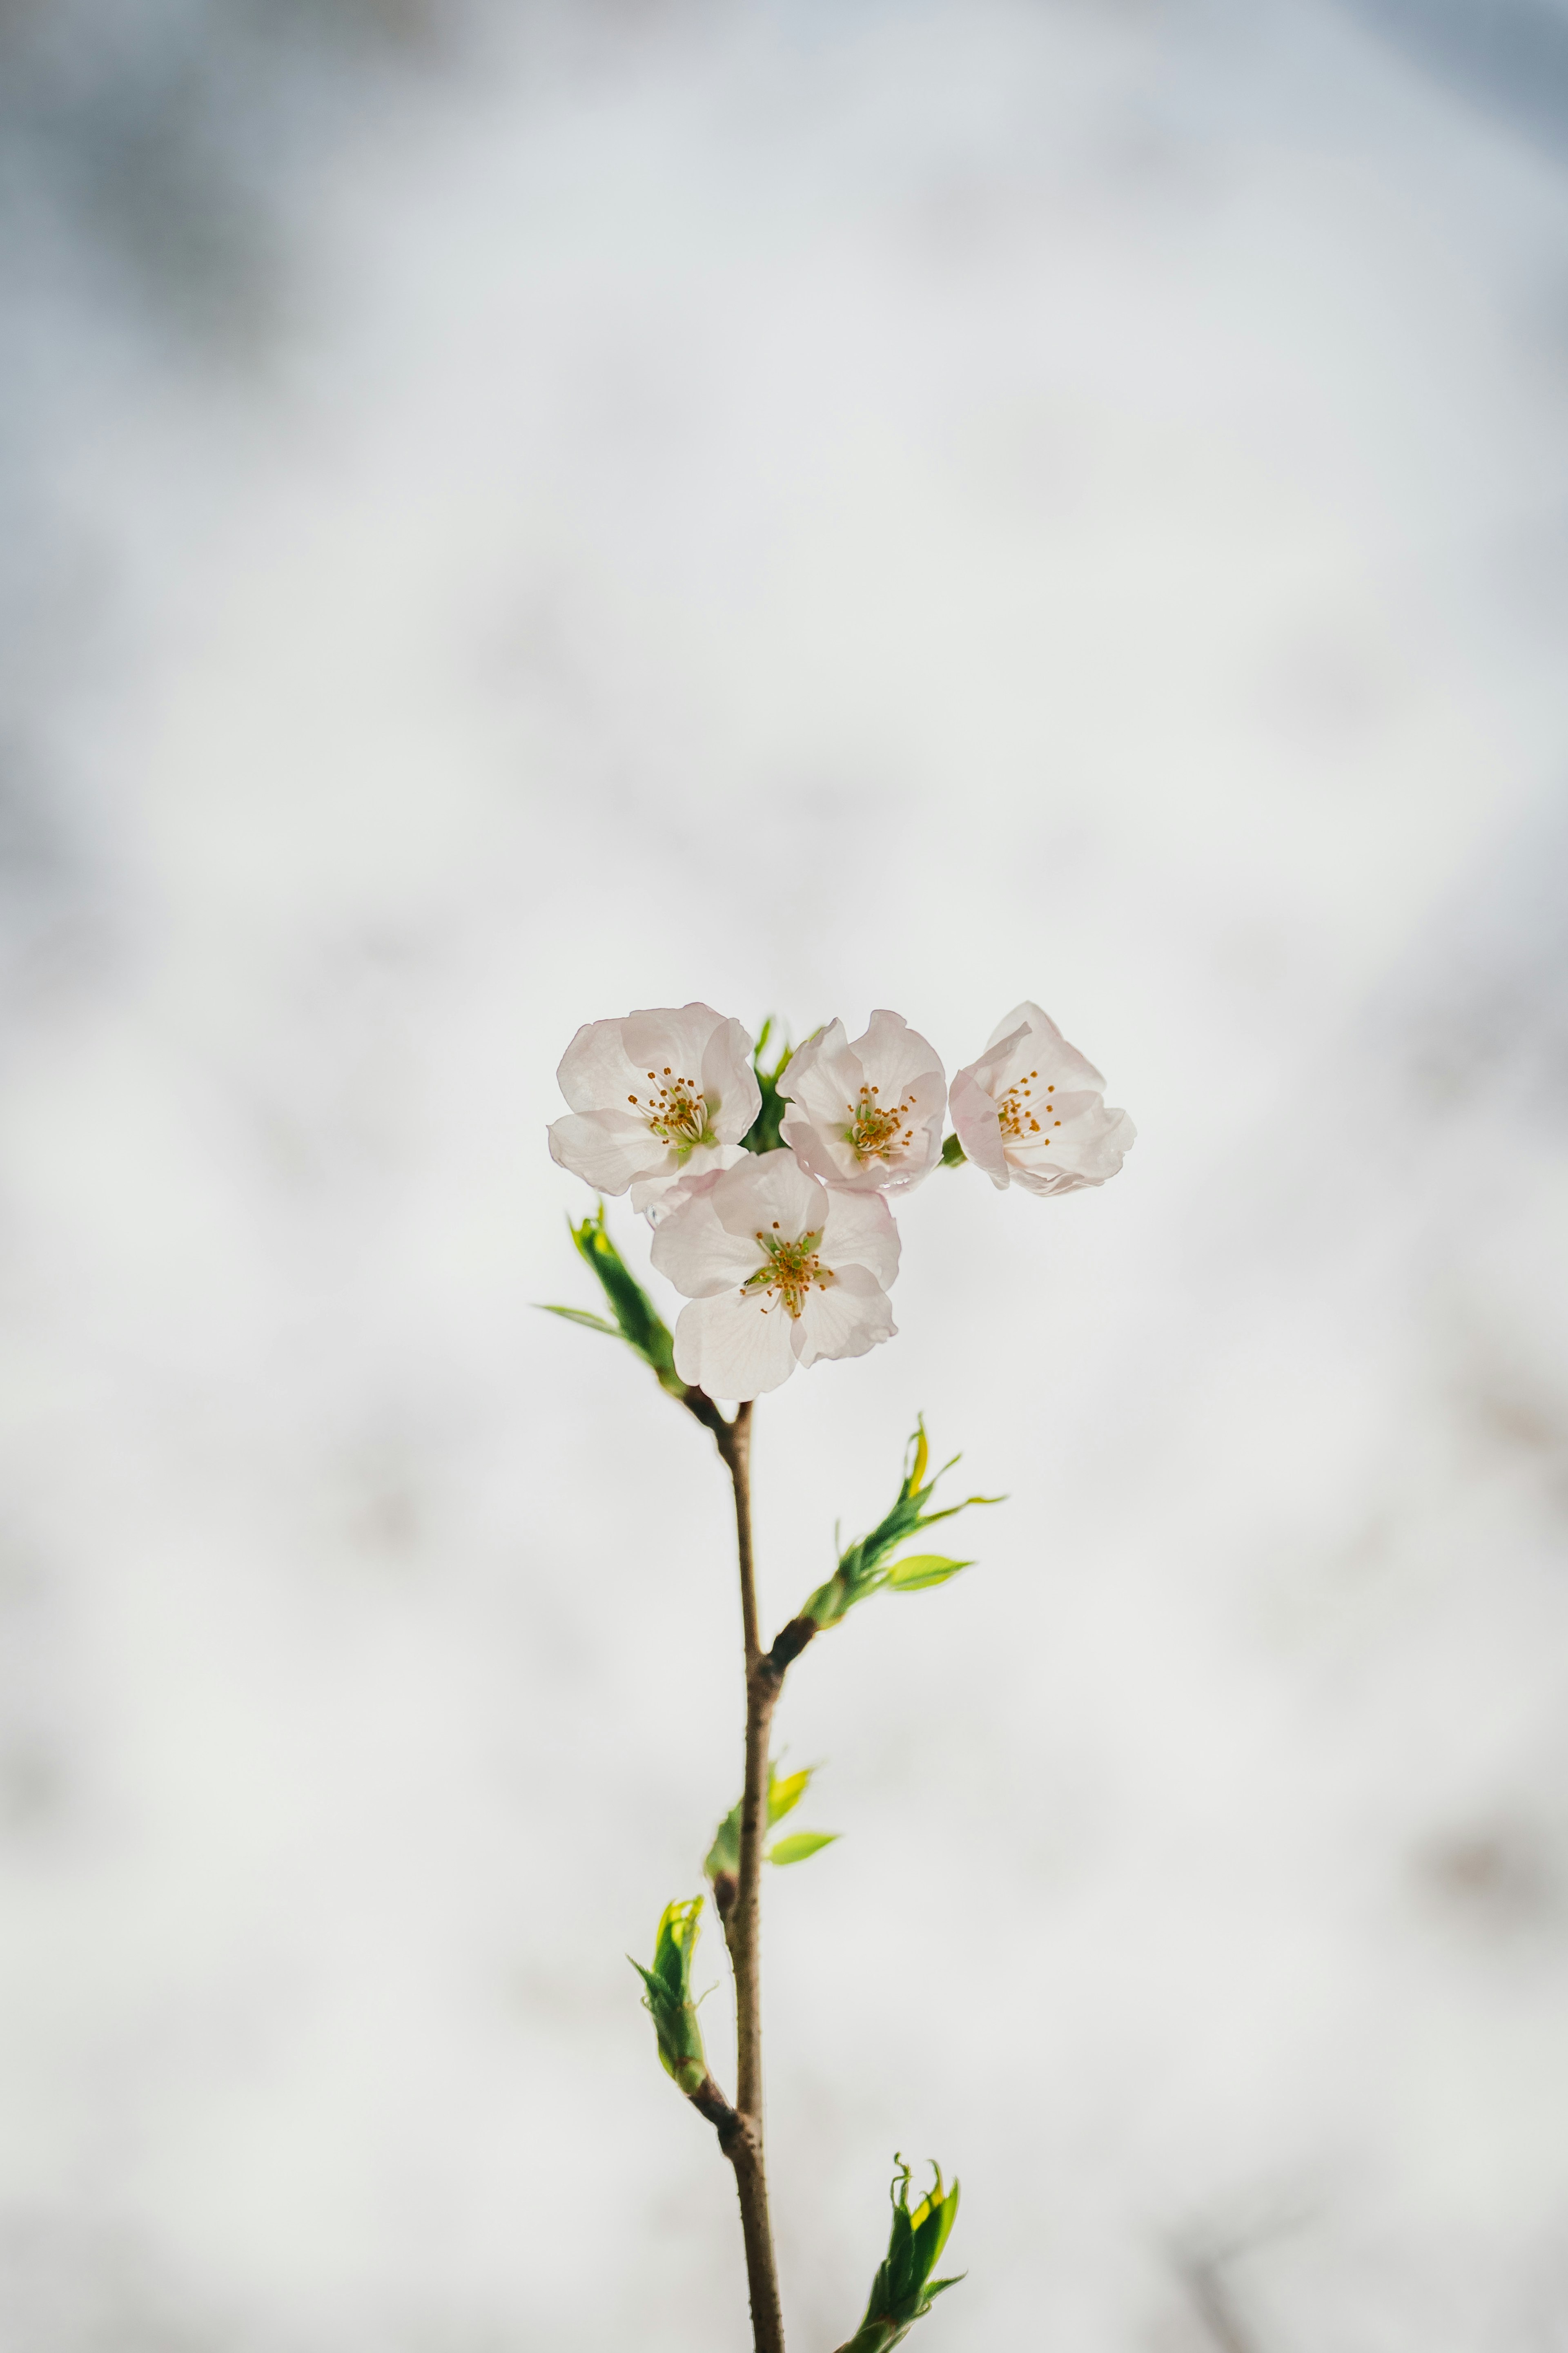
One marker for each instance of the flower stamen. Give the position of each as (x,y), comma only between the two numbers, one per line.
(678,1113)
(790,1270)
(875,1131)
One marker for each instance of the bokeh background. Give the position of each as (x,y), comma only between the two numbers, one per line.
(512,513)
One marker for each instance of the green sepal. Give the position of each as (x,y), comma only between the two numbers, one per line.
(637,1321)
(954,1155)
(668,1996)
(866,1568)
(800,1847)
(903,2289)
(762,1136)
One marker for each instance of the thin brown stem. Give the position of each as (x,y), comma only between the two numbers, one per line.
(741,2141)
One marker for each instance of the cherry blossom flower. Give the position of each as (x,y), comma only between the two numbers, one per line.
(658,1097)
(1032,1110)
(778,1271)
(865,1116)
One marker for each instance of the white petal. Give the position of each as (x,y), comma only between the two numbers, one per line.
(1087,1149)
(608,1149)
(698,1253)
(596,1073)
(860,1232)
(658,1197)
(672,1037)
(979,1129)
(728,1082)
(894,1055)
(1042,1046)
(734,1346)
(850,1316)
(765,1190)
(822,1079)
(827,1156)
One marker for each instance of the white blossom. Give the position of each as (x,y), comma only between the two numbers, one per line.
(655,1098)
(1032,1110)
(778,1271)
(868,1116)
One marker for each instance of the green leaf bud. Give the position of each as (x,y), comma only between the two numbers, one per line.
(867,1568)
(954,1155)
(668,1996)
(903,2289)
(722,1867)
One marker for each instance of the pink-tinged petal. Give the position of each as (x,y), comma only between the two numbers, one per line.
(822,1079)
(894,1055)
(735,1345)
(765,1190)
(596,1073)
(670,1039)
(728,1082)
(818,1062)
(698,1253)
(824,1155)
(657,1198)
(1087,1149)
(860,1232)
(979,1130)
(847,1319)
(1043,1046)
(607,1149)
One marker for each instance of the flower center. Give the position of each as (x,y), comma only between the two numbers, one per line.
(675,1110)
(875,1131)
(790,1271)
(1016,1111)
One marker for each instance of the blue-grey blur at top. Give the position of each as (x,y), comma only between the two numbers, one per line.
(510,514)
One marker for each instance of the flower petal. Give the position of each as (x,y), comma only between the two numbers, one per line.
(608,1149)
(672,1037)
(656,1196)
(973,1110)
(1085,1150)
(860,1232)
(736,1345)
(699,1253)
(729,1082)
(769,1189)
(847,1319)
(595,1072)
(1044,1046)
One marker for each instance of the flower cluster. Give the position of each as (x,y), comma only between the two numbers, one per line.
(768,1190)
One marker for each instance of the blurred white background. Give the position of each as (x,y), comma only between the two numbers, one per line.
(514,515)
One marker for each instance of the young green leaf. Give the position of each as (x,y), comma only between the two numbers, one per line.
(913,1573)
(784,1795)
(801,1847)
